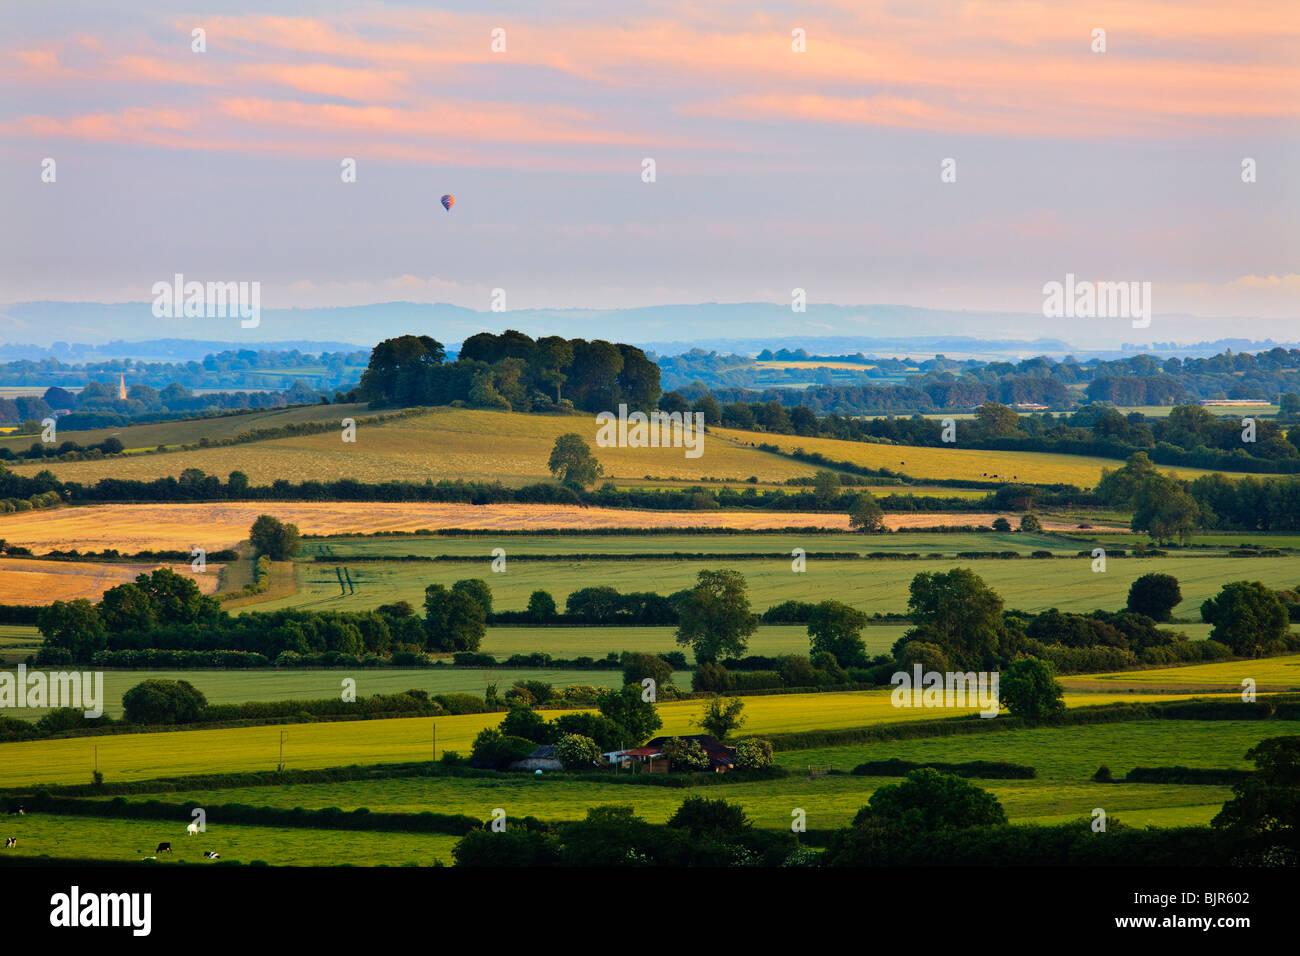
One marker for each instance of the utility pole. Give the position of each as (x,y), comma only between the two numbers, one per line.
(435,740)
(281,767)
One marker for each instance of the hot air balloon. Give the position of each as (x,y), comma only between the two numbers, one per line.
(448,201)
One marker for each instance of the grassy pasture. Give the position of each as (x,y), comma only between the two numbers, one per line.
(872,586)
(241,686)
(171,433)
(129,841)
(125,757)
(966,463)
(480,546)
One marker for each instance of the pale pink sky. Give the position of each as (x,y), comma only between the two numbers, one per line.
(775,168)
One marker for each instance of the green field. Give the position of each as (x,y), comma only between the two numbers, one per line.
(241,686)
(131,757)
(1065,759)
(128,841)
(480,546)
(870,585)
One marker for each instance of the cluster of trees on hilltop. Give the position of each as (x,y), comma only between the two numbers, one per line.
(511,371)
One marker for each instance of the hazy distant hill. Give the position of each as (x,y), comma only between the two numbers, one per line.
(126,328)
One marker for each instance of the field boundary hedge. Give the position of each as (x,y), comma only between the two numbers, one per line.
(329,818)
(983,769)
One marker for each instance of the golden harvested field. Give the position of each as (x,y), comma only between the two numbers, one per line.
(131,527)
(472,444)
(965,463)
(24,581)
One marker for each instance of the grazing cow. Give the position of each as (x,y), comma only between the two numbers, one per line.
(192,829)
(209,855)
(164,848)
(11,841)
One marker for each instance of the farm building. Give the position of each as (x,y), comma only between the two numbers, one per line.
(543,758)
(651,759)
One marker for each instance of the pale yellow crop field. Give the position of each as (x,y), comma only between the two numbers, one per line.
(1270,674)
(964,463)
(451,443)
(139,527)
(25,581)
(127,757)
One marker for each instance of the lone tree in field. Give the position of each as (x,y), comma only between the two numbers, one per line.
(836,629)
(722,716)
(1248,617)
(1154,595)
(1030,690)
(865,514)
(714,616)
(930,800)
(163,702)
(272,537)
(573,463)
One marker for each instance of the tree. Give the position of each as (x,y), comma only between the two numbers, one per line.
(714,617)
(1164,510)
(523,721)
(398,373)
(754,754)
(1154,595)
(638,666)
(273,538)
(836,629)
(74,626)
(685,755)
(996,421)
(722,716)
(1265,809)
(453,621)
(175,598)
(1030,690)
(541,606)
(865,514)
(702,817)
(636,717)
(961,614)
(494,749)
(607,734)
(1001,524)
(163,702)
(827,488)
(1248,617)
(576,752)
(930,800)
(478,589)
(573,463)
(126,607)
(1030,523)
